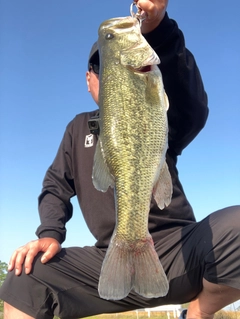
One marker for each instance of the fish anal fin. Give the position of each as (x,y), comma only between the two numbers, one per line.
(162,191)
(101,175)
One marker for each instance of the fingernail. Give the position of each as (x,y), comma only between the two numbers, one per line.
(43,259)
(17,272)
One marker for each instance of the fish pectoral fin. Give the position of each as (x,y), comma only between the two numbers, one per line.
(132,266)
(162,191)
(101,175)
(139,56)
(166,101)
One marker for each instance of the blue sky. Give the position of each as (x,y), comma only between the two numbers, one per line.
(44,47)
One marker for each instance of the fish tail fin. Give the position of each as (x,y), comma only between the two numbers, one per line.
(150,280)
(115,280)
(134,266)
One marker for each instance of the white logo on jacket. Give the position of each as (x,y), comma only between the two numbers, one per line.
(89,141)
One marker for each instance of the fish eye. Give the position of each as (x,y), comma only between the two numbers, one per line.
(109,36)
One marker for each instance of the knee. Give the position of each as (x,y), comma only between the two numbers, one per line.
(223,260)
(228,219)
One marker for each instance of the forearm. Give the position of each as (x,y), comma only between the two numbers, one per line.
(55,208)
(188,108)
(54,214)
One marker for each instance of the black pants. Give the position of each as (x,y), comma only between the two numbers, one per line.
(67,285)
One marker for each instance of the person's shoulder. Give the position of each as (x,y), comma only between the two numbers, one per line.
(82,118)
(85,116)
(79,124)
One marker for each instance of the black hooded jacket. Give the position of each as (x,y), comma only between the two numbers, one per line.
(71,171)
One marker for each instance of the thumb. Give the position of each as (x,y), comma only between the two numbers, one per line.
(51,251)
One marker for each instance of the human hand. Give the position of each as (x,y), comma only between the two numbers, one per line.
(49,246)
(153,11)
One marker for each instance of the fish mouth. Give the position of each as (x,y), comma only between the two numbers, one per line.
(120,24)
(144,69)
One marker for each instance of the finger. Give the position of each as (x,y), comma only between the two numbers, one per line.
(32,252)
(20,257)
(51,251)
(11,264)
(147,6)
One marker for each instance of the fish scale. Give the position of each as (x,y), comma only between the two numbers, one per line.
(130,156)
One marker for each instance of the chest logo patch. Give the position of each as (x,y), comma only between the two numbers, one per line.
(89,141)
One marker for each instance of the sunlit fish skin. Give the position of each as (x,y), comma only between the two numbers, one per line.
(130,156)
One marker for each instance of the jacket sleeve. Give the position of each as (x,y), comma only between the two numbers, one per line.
(55,208)
(188,109)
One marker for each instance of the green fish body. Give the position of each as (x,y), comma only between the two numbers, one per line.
(130,156)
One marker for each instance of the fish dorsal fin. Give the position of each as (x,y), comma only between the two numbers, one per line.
(101,175)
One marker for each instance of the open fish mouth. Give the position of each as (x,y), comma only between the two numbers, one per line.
(144,69)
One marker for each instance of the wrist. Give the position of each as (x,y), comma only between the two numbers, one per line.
(51,234)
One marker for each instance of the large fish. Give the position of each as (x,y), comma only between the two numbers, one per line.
(130,156)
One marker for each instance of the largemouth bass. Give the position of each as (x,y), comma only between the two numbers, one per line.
(130,156)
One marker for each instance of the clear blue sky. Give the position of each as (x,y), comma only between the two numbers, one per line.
(44,47)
